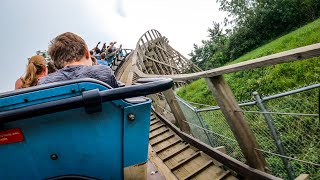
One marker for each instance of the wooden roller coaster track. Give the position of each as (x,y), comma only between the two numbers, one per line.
(175,151)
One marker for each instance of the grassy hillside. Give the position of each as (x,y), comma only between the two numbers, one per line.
(269,80)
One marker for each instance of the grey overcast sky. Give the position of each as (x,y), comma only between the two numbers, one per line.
(29,25)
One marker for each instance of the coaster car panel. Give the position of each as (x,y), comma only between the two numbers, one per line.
(66,140)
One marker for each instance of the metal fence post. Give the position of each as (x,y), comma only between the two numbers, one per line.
(212,144)
(195,110)
(274,134)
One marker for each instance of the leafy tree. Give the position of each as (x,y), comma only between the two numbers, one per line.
(254,22)
(209,54)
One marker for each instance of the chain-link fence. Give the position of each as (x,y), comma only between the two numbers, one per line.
(286,126)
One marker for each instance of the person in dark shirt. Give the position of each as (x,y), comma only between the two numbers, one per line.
(71,56)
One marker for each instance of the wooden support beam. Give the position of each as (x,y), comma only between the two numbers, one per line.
(302,177)
(152,156)
(176,111)
(301,53)
(152,59)
(155,98)
(236,121)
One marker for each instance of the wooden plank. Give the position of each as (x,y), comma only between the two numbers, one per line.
(154,122)
(233,164)
(224,175)
(178,158)
(152,59)
(150,35)
(151,53)
(162,132)
(236,121)
(157,162)
(214,172)
(154,35)
(176,110)
(168,146)
(153,117)
(138,58)
(302,177)
(158,127)
(153,173)
(156,131)
(159,137)
(283,57)
(138,171)
(221,149)
(181,163)
(194,164)
(162,140)
(159,57)
(179,150)
(163,144)
(199,170)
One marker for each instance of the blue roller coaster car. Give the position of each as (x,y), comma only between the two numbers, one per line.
(78,129)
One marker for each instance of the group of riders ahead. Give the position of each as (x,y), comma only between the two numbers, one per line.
(71,59)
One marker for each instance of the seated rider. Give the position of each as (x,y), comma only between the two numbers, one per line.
(104,48)
(112,52)
(96,51)
(94,60)
(71,56)
(36,69)
(103,60)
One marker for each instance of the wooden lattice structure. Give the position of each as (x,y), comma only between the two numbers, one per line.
(153,55)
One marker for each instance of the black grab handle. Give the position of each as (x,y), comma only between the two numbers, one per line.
(145,88)
(151,87)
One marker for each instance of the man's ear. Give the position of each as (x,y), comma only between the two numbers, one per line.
(87,54)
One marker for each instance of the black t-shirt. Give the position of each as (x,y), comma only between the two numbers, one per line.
(99,72)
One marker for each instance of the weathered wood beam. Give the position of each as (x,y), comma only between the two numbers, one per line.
(153,157)
(303,177)
(236,121)
(283,57)
(176,111)
(159,62)
(140,57)
(155,56)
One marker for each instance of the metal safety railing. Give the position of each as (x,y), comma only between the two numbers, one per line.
(286,126)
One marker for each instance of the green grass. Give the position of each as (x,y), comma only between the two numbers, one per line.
(269,80)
